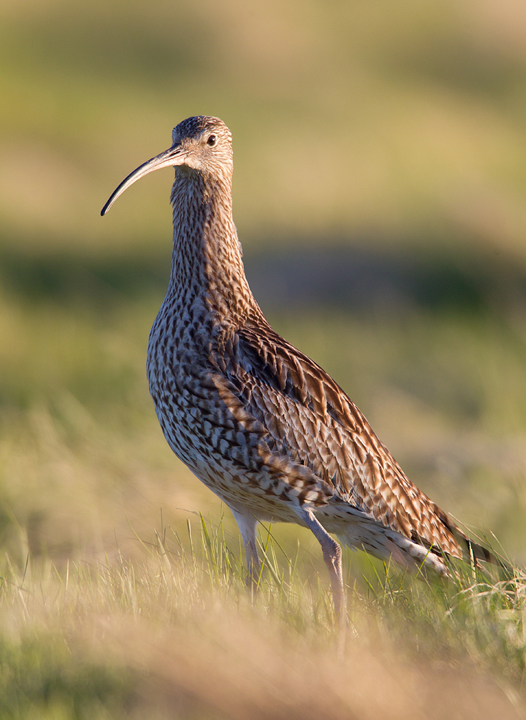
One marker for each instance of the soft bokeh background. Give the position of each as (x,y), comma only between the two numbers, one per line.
(380,177)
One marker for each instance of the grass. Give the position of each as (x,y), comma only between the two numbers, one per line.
(175,634)
(386,128)
(119,600)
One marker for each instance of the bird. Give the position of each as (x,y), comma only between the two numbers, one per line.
(256,420)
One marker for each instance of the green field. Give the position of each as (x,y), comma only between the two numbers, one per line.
(380,158)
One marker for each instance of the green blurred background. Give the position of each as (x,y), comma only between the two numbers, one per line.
(380,175)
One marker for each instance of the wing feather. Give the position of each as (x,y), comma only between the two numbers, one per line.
(310,419)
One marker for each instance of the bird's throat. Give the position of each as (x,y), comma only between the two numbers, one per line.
(206,259)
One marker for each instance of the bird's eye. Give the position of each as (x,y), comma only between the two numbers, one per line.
(211,140)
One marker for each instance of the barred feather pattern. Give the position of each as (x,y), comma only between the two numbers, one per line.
(262,425)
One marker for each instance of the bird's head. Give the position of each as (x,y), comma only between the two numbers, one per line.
(200,145)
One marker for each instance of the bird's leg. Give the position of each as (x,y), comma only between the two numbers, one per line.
(247,524)
(332,554)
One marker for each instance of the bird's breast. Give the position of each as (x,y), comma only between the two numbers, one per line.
(187,403)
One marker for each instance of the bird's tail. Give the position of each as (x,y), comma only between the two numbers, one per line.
(357,530)
(387,544)
(475,552)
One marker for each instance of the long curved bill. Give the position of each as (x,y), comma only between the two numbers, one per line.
(169,158)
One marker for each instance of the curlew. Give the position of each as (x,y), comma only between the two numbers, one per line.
(258,422)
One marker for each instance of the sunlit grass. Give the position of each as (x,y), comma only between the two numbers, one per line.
(394,125)
(118,599)
(175,631)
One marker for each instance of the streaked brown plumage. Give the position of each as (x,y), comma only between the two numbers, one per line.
(256,420)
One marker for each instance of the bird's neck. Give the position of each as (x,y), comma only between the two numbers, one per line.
(206,261)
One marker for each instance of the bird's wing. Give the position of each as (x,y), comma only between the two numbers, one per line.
(308,418)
